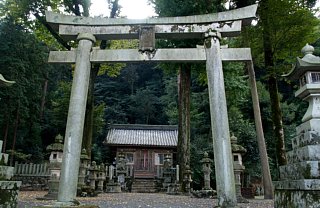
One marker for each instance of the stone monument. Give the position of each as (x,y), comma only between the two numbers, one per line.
(299,184)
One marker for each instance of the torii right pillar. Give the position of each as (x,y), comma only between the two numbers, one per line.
(219,123)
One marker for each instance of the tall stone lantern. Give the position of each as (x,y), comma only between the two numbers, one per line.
(299,184)
(55,161)
(206,168)
(238,167)
(83,168)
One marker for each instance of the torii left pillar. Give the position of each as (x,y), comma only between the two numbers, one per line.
(226,192)
(75,122)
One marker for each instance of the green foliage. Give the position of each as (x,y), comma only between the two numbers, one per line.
(133,96)
(24,61)
(60,105)
(290,27)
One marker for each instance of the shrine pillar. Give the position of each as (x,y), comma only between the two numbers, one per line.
(226,192)
(75,122)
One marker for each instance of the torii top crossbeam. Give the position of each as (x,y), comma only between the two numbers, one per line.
(228,23)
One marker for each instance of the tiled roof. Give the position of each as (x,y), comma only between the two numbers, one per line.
(142,135)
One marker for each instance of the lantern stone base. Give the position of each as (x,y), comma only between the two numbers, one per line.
(296,198)
(53,190)
(209,193)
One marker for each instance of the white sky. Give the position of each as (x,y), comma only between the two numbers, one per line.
(133,9)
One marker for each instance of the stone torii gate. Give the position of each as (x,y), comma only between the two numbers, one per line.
(211,27)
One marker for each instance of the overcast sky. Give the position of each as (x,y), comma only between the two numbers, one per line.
(133,9)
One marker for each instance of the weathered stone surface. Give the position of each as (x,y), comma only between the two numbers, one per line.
(302,184)
(223,160)
(3,157)
(6,172)
(245,13)
(301,170)
(192,31)
(306,138)
(160,55)
(313,124)
(307,153)
(75,121)
(297,199)
(9,193)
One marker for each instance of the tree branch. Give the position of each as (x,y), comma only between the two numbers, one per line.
(52,31)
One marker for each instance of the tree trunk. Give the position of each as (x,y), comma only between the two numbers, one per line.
(184,121)
(266,176)
(277,121)
(43,99)
(273,86)
(88,122)
(89,117)
(15,134)
(5,137)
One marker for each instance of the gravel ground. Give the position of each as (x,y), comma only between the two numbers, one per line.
(28,199)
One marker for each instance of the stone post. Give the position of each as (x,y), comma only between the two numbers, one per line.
(219,123)
(75,121)
(206,168)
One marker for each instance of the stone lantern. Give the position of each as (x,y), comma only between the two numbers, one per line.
(121,169)
(187,179)
(93,177)
(55,161)
(206,168)
(56,150)
(101,177)
(299,181)
(84,166)
(238,167)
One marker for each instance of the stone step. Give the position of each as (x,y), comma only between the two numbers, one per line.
(144,186)
(300,170)
(306,153)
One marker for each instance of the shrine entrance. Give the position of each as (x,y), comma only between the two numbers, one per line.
(210,27)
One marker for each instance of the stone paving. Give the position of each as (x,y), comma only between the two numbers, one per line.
(28,199)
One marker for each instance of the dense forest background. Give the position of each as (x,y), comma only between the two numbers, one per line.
(34,110)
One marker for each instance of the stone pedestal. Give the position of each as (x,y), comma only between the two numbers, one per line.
(113,187)
(299,184)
